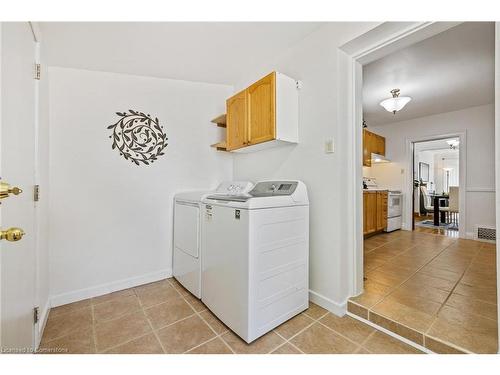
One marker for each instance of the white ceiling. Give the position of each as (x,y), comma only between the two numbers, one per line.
(447,72)
(202,51)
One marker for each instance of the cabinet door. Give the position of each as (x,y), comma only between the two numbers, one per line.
(381,210)
(261,98)
(236,121)
(371,212)
(367,148)
(378,144)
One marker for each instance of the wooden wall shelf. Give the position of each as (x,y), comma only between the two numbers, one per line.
(220,146)
(220,121)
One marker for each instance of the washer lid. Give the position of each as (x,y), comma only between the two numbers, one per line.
(192,196)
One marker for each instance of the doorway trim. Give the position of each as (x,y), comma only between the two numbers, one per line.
(380,41)
(462,171)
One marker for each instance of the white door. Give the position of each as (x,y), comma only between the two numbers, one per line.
(17,145)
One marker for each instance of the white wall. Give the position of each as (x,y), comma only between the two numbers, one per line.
(314,61)
(478,124)
(110,220)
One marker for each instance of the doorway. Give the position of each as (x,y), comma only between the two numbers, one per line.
(436,171)
(375,303)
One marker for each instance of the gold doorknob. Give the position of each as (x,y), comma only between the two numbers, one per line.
(6,190)
(12,234)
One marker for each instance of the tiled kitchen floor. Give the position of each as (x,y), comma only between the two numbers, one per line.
(163,317)
(437,291)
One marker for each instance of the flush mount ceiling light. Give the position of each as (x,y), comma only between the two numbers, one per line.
(396,103)
(453,143)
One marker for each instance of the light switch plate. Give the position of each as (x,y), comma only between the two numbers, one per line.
(329,146)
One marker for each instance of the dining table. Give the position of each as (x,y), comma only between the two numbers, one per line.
(439,201)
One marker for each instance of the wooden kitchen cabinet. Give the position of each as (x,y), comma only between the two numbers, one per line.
(262,110)
(236,115)
(263,115)
(374,211)
(372,143)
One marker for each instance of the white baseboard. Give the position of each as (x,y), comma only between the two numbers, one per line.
(99,290)
(338,309)
(469,235)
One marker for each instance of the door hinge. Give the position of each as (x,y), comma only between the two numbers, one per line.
(37,71)
(36,193)
(36,315)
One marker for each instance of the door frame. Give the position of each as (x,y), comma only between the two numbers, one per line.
(376,43)
(462,171)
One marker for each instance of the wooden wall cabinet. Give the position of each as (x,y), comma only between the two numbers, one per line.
(264,115)
(372,143)
(374,211)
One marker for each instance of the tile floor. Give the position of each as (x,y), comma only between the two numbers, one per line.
(437,291)
(163,317)
(441,231)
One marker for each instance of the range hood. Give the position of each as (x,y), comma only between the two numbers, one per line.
(377,159)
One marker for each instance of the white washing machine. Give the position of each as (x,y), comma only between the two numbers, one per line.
(256,256)
(186,263)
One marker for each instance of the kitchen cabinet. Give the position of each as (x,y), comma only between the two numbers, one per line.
(265,114)
(236,134)
(372,143)
(374,211)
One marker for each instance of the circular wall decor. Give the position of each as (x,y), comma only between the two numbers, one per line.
(138,137)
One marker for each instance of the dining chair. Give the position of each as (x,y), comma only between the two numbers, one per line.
(427,200)
(452,210)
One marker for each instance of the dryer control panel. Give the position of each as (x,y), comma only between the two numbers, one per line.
(273,188)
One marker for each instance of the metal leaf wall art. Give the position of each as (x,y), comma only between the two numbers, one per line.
(138,137)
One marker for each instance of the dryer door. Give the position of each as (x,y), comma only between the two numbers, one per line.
(187,228)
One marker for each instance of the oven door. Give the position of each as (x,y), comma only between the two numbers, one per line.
(395,203)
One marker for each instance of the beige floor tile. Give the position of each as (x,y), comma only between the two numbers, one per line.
(286,349)
(482,293)
(116,307)
(357,310)
(195,303)
(78,342)
(168,312)
(264,344)
(409,316)
(473,306)
(147,344)
(110,296)
(397,328)
(294,325)
(347,326)
(384,344)
(440,347)
(373,293)
(154,294)
(59,325)
(420,280)
(318,339)
(440,273)
(472,332)
(111,333)
(214,322)
(185,335)
(70,307)
(427,293)
(215,346)
(183,291)
(314,311)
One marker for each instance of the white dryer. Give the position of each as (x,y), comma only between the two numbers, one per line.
(256,256)
(186,262)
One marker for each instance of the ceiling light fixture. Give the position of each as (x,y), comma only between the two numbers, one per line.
(396,103)
(453,143)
